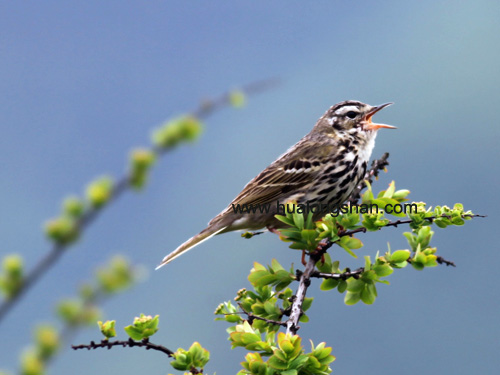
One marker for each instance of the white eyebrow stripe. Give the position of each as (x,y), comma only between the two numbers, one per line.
(345,109)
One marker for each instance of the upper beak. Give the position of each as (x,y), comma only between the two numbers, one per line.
(368,118)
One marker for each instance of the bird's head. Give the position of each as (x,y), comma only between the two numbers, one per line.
(351,117)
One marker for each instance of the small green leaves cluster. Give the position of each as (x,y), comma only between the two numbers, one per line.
(442,216)
(141,161)
(300,230)
(99,191)
(65,229)
(390,196)
(46,344)
(257,319)
(186,128)
(75,313)
(269,300)
(285,353)
(307,235)
(11,275)
(361,287)
(107,328)
(274,275)
(116,276)
(196,357)
(143,327)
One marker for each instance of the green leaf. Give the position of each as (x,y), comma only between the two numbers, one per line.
(355,286)
(390,191)
(285,220)
(260,278)
(298,219)
(342,286)
(383,270)
(309,235)
(352,298)
(399,256)
(276,363)
(369,294)
(328,284)
(351,242)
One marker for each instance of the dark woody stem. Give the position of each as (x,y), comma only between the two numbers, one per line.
(122,185)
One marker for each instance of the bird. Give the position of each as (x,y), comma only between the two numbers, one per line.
(324,167)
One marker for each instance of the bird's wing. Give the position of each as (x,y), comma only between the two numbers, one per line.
(286,177)
(276,181)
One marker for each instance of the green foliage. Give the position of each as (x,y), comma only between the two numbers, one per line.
(11,276)
(46,345)
(274,275)
(99,191)
(194,358)
(32,364)
(73,207)
(306,235)
(285,352)
(259,313)
(47,341)
(300,229)
(117,276)
(173,132)
(76,312)
(141,161)
(62,230)
(112,278)
(264,302)
(143,327)
(107,328)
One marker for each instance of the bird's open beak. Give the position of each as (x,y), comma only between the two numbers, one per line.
(368,118)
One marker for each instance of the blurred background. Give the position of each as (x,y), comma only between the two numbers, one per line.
(81,84)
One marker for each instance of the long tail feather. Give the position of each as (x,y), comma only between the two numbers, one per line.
(192,242)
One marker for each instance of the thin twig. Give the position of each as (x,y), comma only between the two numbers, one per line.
(122,185)
(398,222)
(252,316)
(339,276)
(129,343)
(441,260)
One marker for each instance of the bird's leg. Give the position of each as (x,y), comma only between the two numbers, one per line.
(320,248)
(274,230)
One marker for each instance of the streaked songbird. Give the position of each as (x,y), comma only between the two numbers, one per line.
(323,168)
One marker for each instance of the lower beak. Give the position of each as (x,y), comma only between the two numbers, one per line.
(370,125)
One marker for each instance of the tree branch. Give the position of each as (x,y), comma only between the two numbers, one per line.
(129,343)
(252,316)
(395,224)
(339,276)
(206,108)
(292,324)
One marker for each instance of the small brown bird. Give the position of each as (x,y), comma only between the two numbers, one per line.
(324,167)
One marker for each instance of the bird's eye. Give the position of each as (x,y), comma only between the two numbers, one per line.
(351,114)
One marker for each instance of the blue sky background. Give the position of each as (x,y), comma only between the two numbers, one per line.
(82,84)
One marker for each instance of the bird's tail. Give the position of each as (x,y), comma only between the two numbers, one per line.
(204,235)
